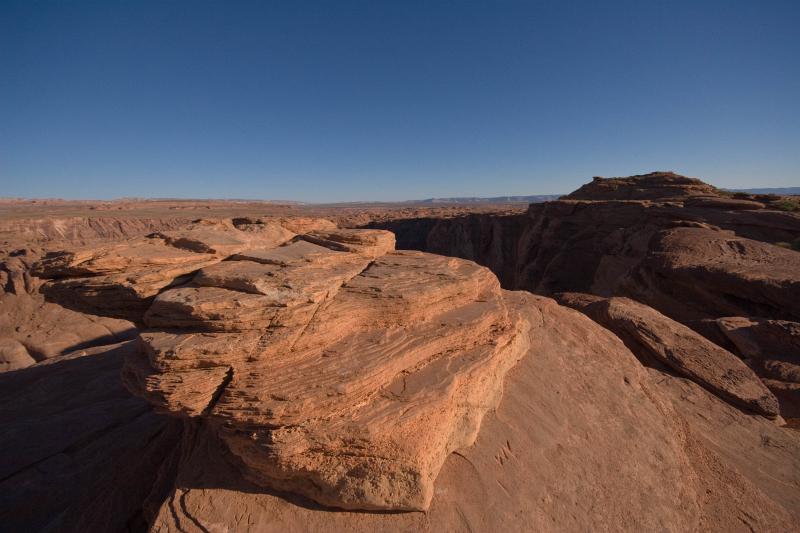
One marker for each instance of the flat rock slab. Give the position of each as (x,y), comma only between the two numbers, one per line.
(300,251)
(222,237)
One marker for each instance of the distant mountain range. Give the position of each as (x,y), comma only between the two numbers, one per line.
(493,200)
(780,191)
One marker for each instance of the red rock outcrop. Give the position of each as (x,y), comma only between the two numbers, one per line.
(682,247)
(652,186)
(122,279)
(695,273)
(334,367)
(649,334)
(33,330)
(597,245)
(772,347)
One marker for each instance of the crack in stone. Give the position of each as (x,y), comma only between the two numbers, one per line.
(220,389)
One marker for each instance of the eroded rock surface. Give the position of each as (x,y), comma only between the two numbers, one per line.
(653,186)
(682,247)
(33,330)
(704,273)
(664,251)
(123,279)
(650,334)
(346,376)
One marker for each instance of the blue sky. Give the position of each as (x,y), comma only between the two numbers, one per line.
(340,100)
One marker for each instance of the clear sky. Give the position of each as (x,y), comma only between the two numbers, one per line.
(392,100)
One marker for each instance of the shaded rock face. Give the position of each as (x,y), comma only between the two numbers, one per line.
(772,347)
(32,330)
(79,452)
(593,247)
(334,367)
(696,273)
(648,333)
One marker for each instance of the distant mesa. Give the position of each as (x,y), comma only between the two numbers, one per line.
(652,186)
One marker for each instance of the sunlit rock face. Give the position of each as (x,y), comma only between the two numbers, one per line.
(333,366)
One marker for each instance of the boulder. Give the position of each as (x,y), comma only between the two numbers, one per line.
(648,333)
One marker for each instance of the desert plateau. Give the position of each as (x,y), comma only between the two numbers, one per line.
(626,357)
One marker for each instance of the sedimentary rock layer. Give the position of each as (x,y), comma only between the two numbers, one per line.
(332,367)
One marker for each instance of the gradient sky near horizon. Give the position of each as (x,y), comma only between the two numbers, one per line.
(366,100)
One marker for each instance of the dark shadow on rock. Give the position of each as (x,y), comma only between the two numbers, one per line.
(80,452)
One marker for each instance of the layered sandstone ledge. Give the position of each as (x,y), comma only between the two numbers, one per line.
(329,364)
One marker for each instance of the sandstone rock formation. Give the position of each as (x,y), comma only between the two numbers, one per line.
(347,376)
(652,186)
(32,330)
(772,347)
(695,273)
(598,245)
(651,335)
(122,279)
(13,355)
